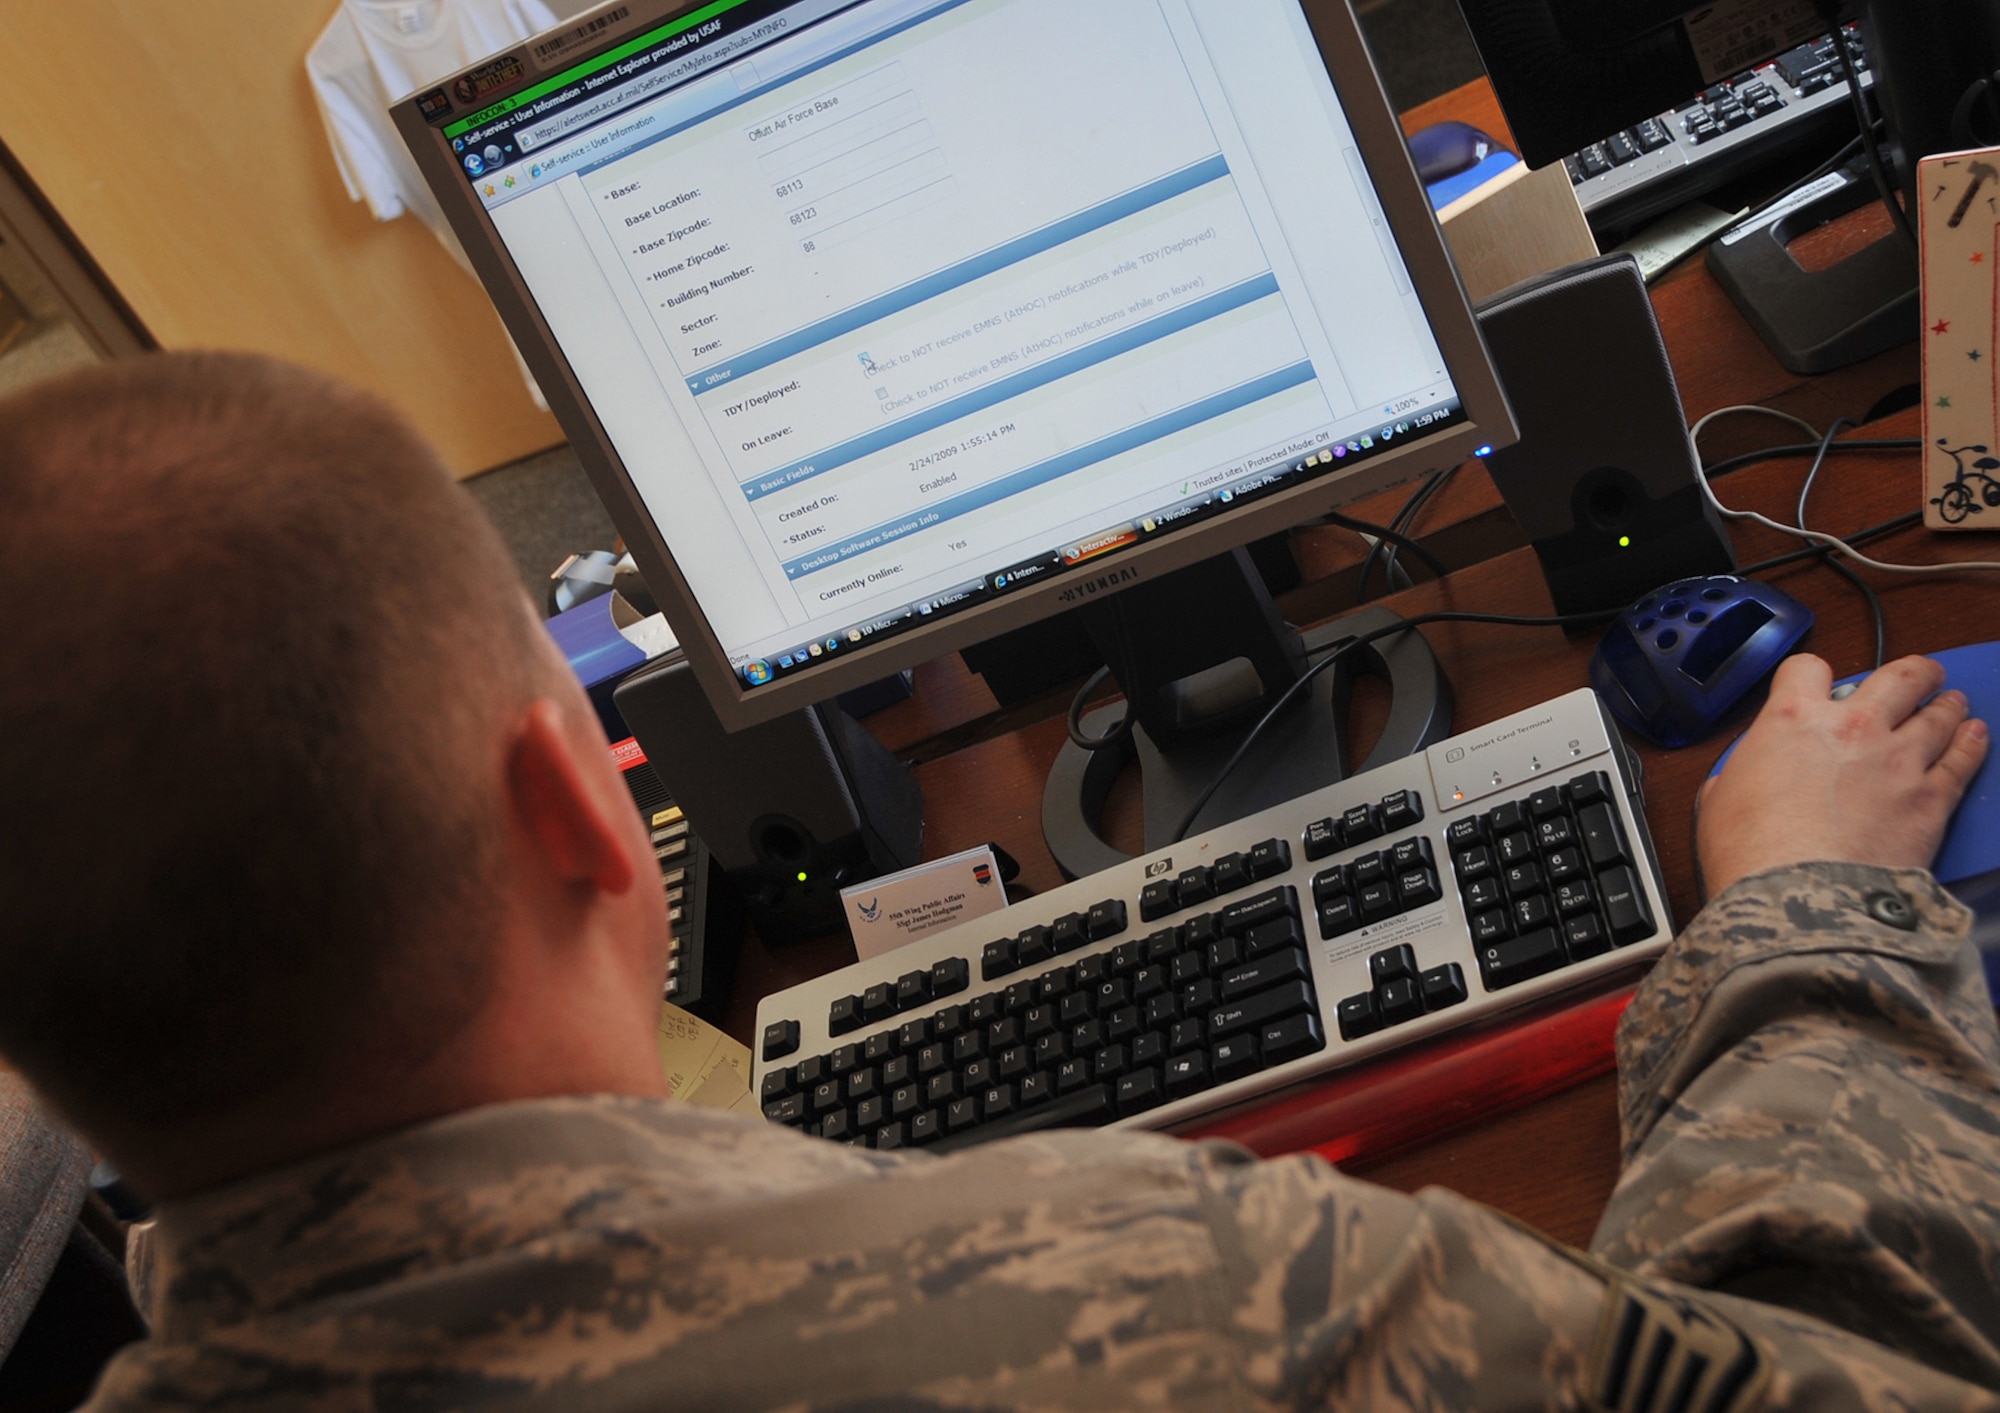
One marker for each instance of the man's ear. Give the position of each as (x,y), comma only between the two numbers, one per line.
(555,809)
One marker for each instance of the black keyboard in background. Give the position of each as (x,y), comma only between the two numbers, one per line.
(1432,892)
(1722,132)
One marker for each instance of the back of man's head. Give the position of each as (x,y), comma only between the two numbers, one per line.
(255,643)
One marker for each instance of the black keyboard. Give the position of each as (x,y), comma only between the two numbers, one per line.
(1492,869)
(1723,131)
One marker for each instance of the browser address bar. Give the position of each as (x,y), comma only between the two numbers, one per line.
(528,139)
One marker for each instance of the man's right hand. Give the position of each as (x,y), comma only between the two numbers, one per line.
(1871,779)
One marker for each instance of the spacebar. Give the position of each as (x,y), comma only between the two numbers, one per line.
(1083,1109)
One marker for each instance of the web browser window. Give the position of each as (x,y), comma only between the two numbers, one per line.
(892,306)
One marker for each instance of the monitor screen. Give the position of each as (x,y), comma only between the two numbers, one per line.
(885,324)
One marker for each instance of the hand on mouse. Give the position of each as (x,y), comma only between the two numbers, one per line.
(1870,779)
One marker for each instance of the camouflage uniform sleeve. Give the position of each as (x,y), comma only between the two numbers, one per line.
(1810,1104)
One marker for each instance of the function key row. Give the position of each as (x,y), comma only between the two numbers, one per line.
(946,977)
(1228,874)
(1040,944)
(1363,824)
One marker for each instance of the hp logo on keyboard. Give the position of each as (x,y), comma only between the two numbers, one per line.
(1158,867)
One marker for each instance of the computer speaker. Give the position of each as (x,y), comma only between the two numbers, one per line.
(794,810)
(1603,479)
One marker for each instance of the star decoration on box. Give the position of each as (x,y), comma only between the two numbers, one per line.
(1942,326)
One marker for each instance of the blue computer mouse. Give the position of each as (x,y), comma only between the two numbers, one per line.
(1446,149)
(1677,660)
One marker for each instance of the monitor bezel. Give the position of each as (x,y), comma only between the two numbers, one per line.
(1405,205)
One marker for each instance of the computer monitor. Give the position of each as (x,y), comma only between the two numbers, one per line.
(886,325)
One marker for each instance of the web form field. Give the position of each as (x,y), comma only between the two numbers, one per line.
(853,158)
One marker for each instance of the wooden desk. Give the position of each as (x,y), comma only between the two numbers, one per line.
(1553,1163)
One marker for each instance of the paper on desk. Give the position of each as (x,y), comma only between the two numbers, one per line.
(703,1066)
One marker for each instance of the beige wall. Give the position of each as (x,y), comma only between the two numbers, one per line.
(180,140)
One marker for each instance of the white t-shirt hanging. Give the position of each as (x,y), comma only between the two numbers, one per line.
(376,52)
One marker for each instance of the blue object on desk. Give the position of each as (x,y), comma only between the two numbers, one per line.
(1968,862)
(592,638)
(1453,158)
(1682,656)
(1443,193)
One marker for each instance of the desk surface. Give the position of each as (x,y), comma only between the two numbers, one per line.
(1553,1163)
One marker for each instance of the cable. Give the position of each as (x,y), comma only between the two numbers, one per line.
(1834,542)
(1398,523)
(1340,650)
(1874,605)
(1819,459)
(1776,453)
(1694,432)
(1897,214)
(1394,537)
(1404,520)
(1847,150)
(1816,537)
(1778,561)
(1116,736)
(1874,600)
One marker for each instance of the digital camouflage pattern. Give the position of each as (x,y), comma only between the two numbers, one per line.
(1811,1101)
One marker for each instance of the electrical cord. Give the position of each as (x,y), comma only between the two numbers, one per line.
(1404,520)
(1368,529)
(1749,409)
(1876,167)
(1886,527)
(1336,651)
(1376,551)
(1819,460)
(1116,736)
(1704,474)
(1775,453)
(1867,590)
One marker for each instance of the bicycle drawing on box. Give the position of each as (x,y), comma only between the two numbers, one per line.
(1960,496)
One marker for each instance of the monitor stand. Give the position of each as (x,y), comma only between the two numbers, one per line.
(1816,321)
(1201,655)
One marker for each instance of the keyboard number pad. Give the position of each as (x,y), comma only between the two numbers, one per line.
(1548,880)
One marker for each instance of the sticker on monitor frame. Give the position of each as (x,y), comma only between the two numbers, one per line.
(473,85)
(564,45)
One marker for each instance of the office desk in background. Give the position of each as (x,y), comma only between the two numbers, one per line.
(1552,1163)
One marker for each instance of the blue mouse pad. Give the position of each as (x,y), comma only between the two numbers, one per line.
(1968,863)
